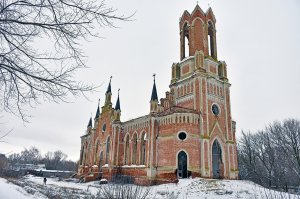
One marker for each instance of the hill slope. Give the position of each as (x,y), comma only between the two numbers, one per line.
(32,187)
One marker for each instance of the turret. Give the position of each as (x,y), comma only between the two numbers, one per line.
(90,125)
(117,111)
(108,94)
(154,98)
(97,114)
(107,104)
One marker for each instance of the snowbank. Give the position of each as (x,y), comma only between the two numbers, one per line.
(11,191)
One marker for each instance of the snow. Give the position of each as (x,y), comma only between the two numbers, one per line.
(133,166)
(54,171)
(11,191)
(185,188)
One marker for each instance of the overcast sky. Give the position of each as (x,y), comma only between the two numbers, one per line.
(259,40)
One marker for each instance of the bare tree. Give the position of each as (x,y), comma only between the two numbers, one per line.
(265,151)
(287,136)
(40,48)
(247,156)
(271,157)
(31,155)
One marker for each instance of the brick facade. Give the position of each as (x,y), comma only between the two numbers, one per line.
(188,133)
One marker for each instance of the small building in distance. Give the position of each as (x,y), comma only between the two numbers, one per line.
(189,132)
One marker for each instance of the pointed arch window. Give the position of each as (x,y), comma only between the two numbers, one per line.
(81,155)
(134,148)
(126,150)
(185,41)
(107,150)
(211,40)
(101,160)
(96,152)
(143,148)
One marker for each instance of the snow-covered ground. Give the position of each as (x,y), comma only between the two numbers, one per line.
(12,191)
(32,187)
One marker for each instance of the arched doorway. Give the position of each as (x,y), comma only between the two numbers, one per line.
(216,159)
(182,171)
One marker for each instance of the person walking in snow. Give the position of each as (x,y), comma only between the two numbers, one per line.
(45,180)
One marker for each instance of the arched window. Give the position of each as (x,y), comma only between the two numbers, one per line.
(126,150)
(107,150)
(185,41)
(134,148)
(211,40)
(143,148)
(101,160)
(96,152)
(81,155)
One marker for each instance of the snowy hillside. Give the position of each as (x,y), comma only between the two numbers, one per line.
(32,187)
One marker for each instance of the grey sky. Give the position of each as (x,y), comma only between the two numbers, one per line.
(259,40)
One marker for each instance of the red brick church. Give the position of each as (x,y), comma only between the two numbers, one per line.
(189,132)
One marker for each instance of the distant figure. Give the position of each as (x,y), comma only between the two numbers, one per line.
(45,180)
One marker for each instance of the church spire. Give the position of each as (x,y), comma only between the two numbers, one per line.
(108,95)
(90,124)
(154,92)
(109,86)
(154,98)
(117,107)
(117,111)
(98,110)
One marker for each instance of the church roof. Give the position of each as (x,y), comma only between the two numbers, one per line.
(154,92)
(198,8)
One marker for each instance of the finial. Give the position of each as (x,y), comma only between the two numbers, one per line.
(91,114)
(98,101)
(197,2)
(208,5)
(118,91)
(109,86)
(154,76)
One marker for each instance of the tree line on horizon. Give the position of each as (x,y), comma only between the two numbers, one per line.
(271,157)
(56,160)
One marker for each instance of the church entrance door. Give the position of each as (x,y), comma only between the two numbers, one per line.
(216,159)
(182,171)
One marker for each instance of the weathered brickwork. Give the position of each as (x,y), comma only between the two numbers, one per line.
(189,132)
